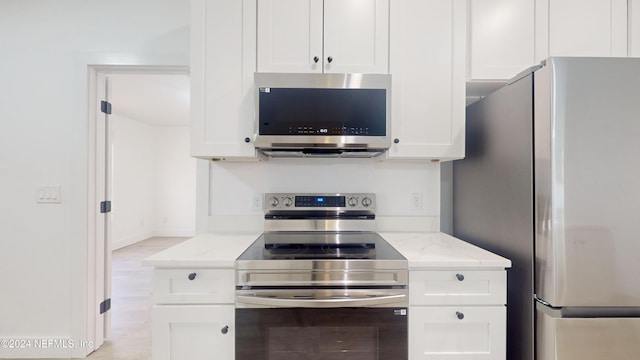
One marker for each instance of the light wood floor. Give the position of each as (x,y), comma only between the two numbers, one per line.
(131,302)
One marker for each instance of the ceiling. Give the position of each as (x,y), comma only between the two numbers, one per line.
(157,100)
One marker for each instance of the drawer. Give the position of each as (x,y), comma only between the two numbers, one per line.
(463,287)
(457,332)
(193,286)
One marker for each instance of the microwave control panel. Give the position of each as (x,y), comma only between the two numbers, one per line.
(310,130)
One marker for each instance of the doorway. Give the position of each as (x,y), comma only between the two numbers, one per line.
(153,175)
(139,162)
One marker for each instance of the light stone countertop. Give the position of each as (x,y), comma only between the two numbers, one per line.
(423,251)
(440,250)
(206,250)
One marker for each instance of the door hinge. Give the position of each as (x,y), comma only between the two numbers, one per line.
(105,207)
(105,107)
(105,306)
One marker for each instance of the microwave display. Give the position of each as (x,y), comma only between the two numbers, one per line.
(322,112)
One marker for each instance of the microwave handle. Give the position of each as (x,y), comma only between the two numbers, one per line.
(319,303)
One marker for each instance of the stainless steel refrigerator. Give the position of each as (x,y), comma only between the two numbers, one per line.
(551,180)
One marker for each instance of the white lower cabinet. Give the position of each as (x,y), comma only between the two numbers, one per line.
(457,314)
(457,332)
(193,332)
(193,314)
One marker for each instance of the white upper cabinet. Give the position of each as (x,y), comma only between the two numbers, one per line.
(331,36)
(427,61)
(356,36)
(508,36)
(581,28)
(290,35)
(501,38)
(223,54)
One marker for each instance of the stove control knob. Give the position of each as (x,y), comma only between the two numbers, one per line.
(287,201)
(273,202)
(353,201)
(366,202)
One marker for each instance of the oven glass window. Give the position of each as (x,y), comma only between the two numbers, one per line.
(321,334)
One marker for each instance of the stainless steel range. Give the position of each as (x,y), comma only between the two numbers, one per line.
(320,283)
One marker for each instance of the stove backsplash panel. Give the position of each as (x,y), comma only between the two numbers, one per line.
(403,189)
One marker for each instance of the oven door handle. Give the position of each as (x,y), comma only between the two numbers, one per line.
(257,300)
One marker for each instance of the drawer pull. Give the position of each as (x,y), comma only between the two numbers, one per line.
(459,315)
(225,330)
(460,277)
(192,276)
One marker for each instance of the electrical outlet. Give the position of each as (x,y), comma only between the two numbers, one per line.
(415,202)
(49,194)
(256,202)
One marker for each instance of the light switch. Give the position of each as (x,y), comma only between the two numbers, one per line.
(49,194)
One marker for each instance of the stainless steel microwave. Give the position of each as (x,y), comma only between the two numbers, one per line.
(322,115)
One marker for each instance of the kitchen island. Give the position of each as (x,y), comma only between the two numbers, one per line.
(457,297)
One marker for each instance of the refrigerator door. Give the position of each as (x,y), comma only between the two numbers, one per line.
(587,171)
(561,338)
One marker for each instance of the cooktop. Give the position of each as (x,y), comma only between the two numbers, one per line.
(302,245)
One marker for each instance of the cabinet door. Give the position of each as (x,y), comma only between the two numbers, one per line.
(223,41)
(468,287)
(428,67)
(501,38)
(457,333)
(195,332)
(290,36)
(356,36)
(193,286)
(581,28)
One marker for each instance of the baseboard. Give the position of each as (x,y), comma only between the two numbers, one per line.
(129,240)
(174,233)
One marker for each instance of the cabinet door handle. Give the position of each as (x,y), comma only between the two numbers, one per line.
(459,315)
(460,277)
(316,59)
(225,330)
(247,140)
(329,59)
(396,140)
(192,276)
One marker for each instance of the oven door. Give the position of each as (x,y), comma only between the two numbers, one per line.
(341,333)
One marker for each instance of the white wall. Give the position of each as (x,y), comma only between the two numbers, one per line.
(175,183)
(46,47)
(132,181)
(234,185)
(154,180)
